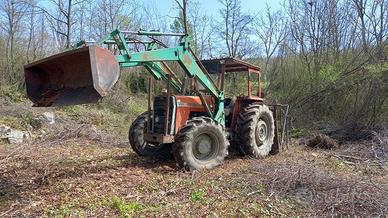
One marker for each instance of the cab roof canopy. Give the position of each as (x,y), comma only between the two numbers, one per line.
(214,66)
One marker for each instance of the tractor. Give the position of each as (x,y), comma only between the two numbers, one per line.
(192,118)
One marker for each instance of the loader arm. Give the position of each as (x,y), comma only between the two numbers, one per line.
(85,73)
(152,59)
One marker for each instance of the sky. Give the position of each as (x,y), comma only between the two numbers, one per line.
(167,7)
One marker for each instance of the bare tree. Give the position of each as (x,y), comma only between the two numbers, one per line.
(198,25)
(271,30)
(113,14)
(12,11)
(378,17)
(33,13)
(235,28)
(202,30)
(360,6)
(61,18)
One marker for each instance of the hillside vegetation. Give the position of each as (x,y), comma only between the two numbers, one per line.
(327,59)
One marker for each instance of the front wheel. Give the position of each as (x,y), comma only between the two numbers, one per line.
(255,130)
(139,145)
(200,144)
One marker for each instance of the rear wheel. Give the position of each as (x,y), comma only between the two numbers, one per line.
(200,144)
(137,142)
(255,130)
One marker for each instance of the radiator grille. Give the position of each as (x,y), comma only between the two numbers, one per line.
(159,114)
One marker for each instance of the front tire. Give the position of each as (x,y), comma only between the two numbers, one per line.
(137,142)
(200,144)
(255,130)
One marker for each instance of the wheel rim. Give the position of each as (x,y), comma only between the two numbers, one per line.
(206,146)
(262,132)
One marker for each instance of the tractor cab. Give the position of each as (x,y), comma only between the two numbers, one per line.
(171,111)
(251,85)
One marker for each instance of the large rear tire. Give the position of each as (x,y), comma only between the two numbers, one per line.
(255,130)
(200,144)
(139,145)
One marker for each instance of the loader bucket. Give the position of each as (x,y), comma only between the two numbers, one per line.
(79,76)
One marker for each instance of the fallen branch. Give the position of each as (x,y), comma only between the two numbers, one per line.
(254,192)
(6,212)
(10,154)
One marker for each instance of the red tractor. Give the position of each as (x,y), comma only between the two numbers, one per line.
(198,142)
(193,116)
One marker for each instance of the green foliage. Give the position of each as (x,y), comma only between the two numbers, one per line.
(34,123)
(114,113)
(332,91)
(197,195)
(66,210)
(236,84)
(260,187)
(10,121)
(378,70)
(329,73)
(12,93)
(125,209)
(244,212)
(73,111)
(179,27)
(136,82)
(21,122)
(339,164)
(298,133)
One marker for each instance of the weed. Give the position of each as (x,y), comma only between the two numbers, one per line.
(197,195)
(244,212)
(125,209)
(72,111)
(35,123)
(256,207)
(339,164)
(260,187)
(293,204)
(12,93)
(12,122)
(155,208)
(298,133)
(66,210)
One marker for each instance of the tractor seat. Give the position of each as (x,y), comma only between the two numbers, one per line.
(228,108)
(228,102)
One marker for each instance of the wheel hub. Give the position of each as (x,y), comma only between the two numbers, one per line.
(204,147)
(261,131)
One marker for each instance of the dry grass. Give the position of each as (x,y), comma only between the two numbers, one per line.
(322,141)
(84,167)
(89,178)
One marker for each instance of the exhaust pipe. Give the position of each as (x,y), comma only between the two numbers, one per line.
(80,76)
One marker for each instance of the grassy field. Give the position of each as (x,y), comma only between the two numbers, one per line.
(83,167)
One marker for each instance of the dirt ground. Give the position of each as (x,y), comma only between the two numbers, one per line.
(82,166)
(84,177)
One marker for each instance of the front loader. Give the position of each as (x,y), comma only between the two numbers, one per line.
(192,119)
